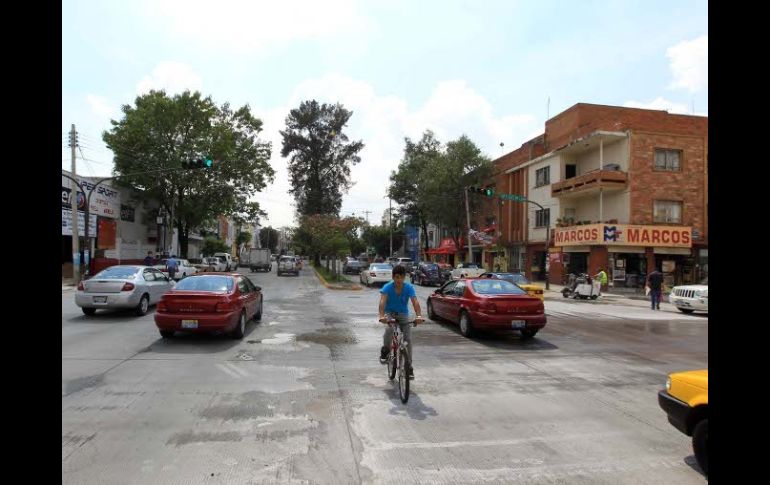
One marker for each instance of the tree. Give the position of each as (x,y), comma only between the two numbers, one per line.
(213,245)
(243,238)
(412,185)
(159,133)
(320,156)
(268,238)
(461,166)
(377,237)
(431,181)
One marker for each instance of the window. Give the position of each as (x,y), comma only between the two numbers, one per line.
(242,286)
(667,211)
(668,160)
(542,176)
(542,218)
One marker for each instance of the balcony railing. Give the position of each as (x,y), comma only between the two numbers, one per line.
(607,179)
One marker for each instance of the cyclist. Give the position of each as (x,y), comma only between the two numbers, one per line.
(393,301)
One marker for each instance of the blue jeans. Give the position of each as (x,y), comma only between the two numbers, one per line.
(655,299)
(406,329)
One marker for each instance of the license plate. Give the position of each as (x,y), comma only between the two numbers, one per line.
(100,299)
(189,323)
(518,324)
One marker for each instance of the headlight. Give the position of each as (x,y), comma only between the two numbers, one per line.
(698,293)
(668,384)
(705,293)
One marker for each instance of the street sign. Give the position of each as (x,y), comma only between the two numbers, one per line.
(513,197)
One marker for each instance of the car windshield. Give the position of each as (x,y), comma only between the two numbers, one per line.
(469,265)
(287,258)
(381,266)
(211,283)
(117,273)
(495,287)
(430,267)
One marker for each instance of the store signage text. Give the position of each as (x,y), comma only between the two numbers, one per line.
(624,235)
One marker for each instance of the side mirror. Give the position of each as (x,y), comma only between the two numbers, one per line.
(258,288)
(437,292)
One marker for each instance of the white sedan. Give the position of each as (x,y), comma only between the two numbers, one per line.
(184,268)
(376,273)
(690,298)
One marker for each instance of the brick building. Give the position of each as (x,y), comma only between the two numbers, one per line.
(623,189)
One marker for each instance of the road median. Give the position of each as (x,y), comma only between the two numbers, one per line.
(336,285)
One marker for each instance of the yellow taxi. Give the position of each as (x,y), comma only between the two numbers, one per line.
(519,280)
(686,401)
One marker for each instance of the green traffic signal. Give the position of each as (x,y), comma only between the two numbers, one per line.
(489,192)
(209,163)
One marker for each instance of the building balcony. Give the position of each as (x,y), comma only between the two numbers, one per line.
(590,183)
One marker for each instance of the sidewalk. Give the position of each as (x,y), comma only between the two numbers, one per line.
(555,291)
(67,284)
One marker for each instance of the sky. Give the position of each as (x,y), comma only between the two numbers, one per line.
(492,70)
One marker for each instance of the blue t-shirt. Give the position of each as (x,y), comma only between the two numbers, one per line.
(172,263)
(398,303)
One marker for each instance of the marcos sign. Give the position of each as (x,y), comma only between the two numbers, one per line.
(624,235)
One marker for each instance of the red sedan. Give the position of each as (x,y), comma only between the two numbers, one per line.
(210,302)
(487,304)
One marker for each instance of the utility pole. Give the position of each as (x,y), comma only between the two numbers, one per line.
(367,215)
(468,216)
(74,208)
(390,223)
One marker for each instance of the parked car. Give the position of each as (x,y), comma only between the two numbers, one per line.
(363,261)
(467,270)
(351,266)
(690,298)
(427,274)
(446,270)
(121,286)
(520,280)
(407,263)
(377,273)
(493,304)
(214,302)
(215,263)
(287,264)
(184,268)
(228,259)
(686,400)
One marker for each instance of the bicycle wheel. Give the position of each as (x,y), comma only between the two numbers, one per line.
(403,377)
(391,365)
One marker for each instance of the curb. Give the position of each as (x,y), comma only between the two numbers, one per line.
(334,287)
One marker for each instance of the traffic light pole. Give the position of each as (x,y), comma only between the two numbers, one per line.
(468,216)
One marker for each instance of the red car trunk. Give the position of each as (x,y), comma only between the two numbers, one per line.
(510,304)
(193,301)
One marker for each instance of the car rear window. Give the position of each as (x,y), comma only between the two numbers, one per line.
(213,283)
(116,274)
(430,267)
(381,266)
(495,287)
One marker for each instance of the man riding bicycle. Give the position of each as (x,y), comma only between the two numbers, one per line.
(393,301)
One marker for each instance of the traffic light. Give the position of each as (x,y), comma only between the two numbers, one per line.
(489,191)
(198,163)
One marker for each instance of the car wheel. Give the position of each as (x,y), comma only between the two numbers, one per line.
(431,313)
(686,310)
(258,315)
(166,333)
(528,333)
(89,311)
(466,327)
(241,327)
(143,306)
(700,438)
(594,297)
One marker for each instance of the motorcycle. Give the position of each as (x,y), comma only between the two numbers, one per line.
(582,286)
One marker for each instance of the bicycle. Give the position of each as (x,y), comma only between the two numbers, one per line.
(399,359)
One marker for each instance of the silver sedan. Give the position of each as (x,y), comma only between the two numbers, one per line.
(135,287)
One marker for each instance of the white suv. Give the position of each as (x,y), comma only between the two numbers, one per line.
(228,259)
(690,298)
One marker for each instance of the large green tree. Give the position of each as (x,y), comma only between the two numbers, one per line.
(412,185)
(161,132)
(431,180)
(320,156)
(268,238)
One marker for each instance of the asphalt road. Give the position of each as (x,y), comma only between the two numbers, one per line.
(303,399)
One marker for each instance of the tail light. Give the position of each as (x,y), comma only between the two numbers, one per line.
(488,307)
(224,307)
(127,287)
(371,273)
(81,286)
(162,306)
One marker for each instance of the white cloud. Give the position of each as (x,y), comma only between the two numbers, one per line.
(661,103)
(174,77)
(252,25)
(101,107)
(382,122)
(689,64)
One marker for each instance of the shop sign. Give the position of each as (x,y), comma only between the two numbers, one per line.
(624,235)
